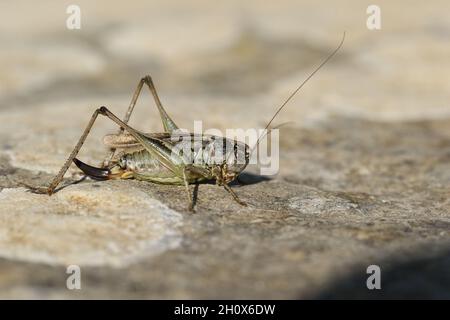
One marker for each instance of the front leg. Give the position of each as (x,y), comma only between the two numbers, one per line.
(188,192)
(192,173)
(234,195)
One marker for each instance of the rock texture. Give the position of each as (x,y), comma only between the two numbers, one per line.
(364,167)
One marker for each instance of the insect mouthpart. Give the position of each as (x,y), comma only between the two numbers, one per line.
(229,176)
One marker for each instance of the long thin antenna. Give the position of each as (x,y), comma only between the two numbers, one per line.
(298,89)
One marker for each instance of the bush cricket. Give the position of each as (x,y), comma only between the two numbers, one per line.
(150,156)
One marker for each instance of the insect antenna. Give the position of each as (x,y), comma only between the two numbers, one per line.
(266,131)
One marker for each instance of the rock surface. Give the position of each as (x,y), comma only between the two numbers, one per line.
(364,166)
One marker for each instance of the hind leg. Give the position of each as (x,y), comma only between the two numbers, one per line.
(168,124)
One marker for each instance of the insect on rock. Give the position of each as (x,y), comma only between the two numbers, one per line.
(162,157)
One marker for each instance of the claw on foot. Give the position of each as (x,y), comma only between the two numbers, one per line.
(242,203)
(37,190)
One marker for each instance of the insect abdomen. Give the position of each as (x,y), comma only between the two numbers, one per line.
(140,162)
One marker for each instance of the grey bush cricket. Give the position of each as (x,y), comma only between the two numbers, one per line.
(151,157)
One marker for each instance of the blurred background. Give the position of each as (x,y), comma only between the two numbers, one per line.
(365,159)
(232,63)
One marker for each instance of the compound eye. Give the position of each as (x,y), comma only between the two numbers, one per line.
(247,152)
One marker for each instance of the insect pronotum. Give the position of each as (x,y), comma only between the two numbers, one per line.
(150,156)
